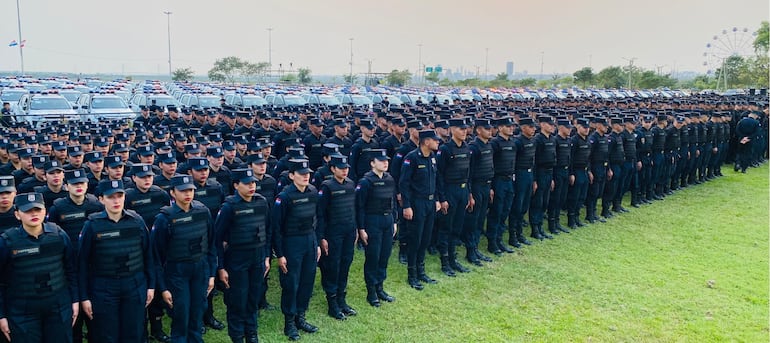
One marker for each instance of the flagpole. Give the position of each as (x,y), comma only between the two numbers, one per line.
(21,43)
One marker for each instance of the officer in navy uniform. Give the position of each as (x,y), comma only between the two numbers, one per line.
(545,161)
(359,150)
(341,137)
(410,144)
(453,165)
(659,157)
(336,234)
(314,142)
(525,161)
(598,170)
(54,183)
(481,174)
(561,176)
(578,170)
(183,242)
(631,165)
(243,248)
(324,173)
(146,200)
(7,194)
(504,159)
(616,157)
(116,269)
(292,222)
(644,137)
(417,184)
(28,183)
(39,297)
(168,166)
(375,213)
(217,170)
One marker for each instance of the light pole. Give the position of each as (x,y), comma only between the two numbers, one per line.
(269,51)
(486,64)
(420,68)
(630,69)
(351,61)
(168,22)
(21,42)
(542,59)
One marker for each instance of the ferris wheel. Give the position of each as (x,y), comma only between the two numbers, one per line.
(729,42)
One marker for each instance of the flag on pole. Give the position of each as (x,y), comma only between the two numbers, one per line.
(23,42)
(13,43)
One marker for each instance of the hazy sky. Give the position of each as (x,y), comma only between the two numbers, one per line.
(90,36)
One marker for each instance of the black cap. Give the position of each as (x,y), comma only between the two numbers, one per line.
(26,152)
(483,122)
(75,176)
(504,121)
(545,119)
(198,163)
(243,175)
(380,154)
(7,184)
(367,123)
(74,150)
(113,161)
(192,148)
(182,182)
(59,145)
(52,165)
(94,156)
(339,161)
(228,145)
(616,120)
(168,157)
(564,122)
(215,151)
(120,147)
(145,151)
(330,148)
(429,134)
(257,158)
(142,170)
(38,161)
(108,187)
(584,122)
(299,166)
(27,201)
(526,121)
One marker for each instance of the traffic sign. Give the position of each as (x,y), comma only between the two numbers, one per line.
(428,69)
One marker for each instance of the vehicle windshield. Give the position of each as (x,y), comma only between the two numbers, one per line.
(251,100)
(70,96)
(208,101)
(11,96)
(392,99)
(294,100)
(328,100)
(57,103)
(164,101)
(360,100)
(35,87)
(115,102)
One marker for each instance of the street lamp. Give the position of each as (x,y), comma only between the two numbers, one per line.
(21,42)
(269,51)
(420,68)
(486,64)
(168,22)
(351,61)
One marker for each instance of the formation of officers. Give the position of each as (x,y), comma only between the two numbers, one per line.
(113,225)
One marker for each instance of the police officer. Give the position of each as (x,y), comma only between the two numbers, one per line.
(243,249)
(480,180)
(336,233)
(453,165)
(292,221)
(116,269)
(631,163)
(545,161)
(504,156)
(561,176)
(375,221)
(183,241)
(7,194)
(644,138)
(599,168)
(579,180)
(360,148)
(525,161)
(37,263)
(168,165)
(616,157)
(417,184)
(70,214)
(410,144)
(659,157)
(217,170)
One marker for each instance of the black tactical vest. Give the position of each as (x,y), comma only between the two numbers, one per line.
(379,200)
(563,151)
(71,217)
(545,151)
(300,217)
(340,213)
(147,204)
(658,139)
(189,233)
(599,148)
(525,155)
(484,168)
(210,195)
(267,186)
(582,151)
(249,230)
(458,163)
(615,148)
(38,265)
(504,156)
(117,247)
(629,145)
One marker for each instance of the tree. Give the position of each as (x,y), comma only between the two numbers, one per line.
(762,42)
(289,78)
(584,76)
(501,77)
(526,82)
(249,70)
(350,78)
(611,77)
(303,76)
(182,74)
(649,79)
(226,69)
(398,77)
(446,82)
(432,77)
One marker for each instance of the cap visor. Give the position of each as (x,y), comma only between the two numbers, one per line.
(184,187)
(7,189)
(113,191)
(248,179)
(303,171)
(78,180)
(143,174)
(27,207)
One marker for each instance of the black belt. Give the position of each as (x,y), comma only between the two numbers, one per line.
(429,197)
(528,170)
(545,169)
(483,182)
(503,177)
(461,185)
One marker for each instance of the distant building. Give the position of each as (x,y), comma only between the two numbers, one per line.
(509,70)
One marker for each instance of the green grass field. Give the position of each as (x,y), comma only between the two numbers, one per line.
(690,268)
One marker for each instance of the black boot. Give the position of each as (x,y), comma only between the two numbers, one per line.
(571,222)
(536,233)
(371,296)
(456,266)
(213,323)
(334,308)
(251,337)
(237,339)
(552,228)
(481,256)
(504,247)
(384,296)
(472,257)
(290,328)
(303,325)
(542,233)
(343,304)
(520,236)
(156,330)
(492,246)
(422,276)
(402,252)
(445,267)
(412,279)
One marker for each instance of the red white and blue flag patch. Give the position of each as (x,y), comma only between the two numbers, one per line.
(277,201)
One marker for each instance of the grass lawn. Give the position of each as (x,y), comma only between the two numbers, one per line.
(691,268)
